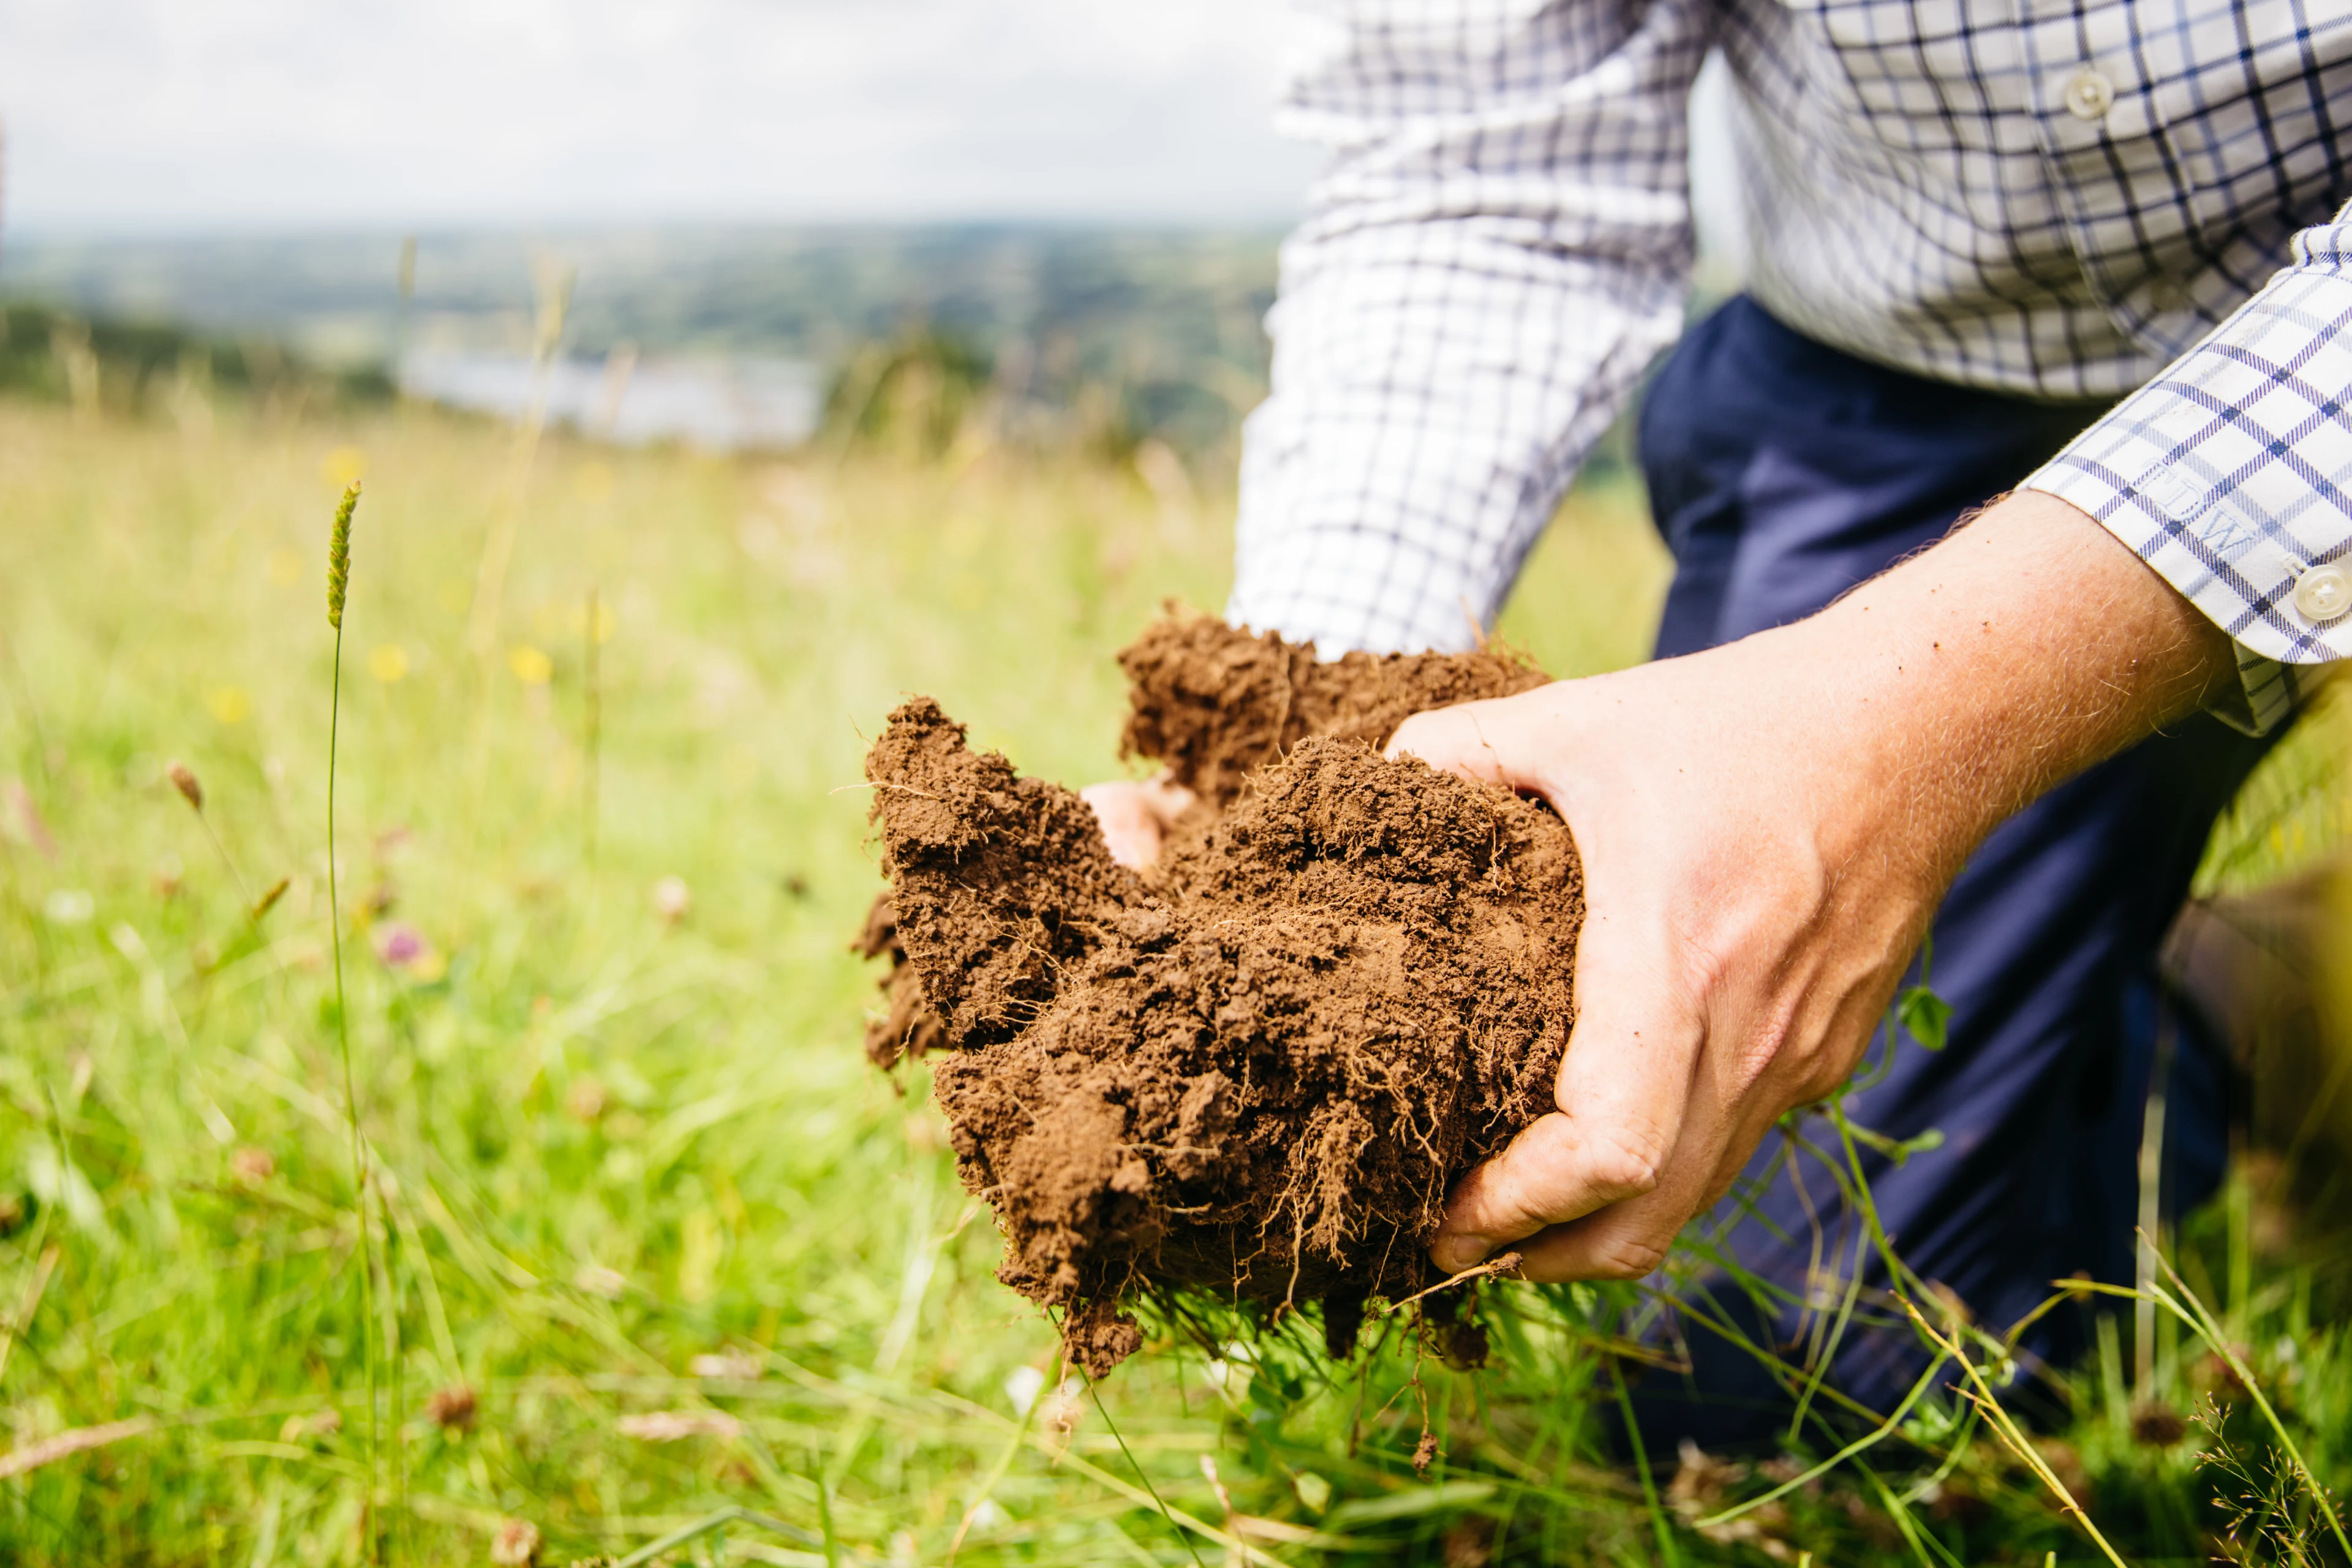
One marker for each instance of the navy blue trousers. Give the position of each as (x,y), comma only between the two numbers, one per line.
(1781,473)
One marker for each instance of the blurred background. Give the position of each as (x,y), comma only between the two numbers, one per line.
(736,198)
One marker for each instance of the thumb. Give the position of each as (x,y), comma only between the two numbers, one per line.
(1475,740)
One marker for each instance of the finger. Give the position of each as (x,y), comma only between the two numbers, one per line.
(1628,1239)
(1131,828)
(1623,1087)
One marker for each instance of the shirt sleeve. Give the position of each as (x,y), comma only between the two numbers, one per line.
(1494,250)
(2230,475)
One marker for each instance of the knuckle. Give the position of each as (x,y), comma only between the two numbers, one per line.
(1625,1158)
(1629,1257)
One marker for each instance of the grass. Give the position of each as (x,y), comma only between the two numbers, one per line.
(706,1277)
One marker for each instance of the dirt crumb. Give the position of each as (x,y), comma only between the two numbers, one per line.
(1258,1070)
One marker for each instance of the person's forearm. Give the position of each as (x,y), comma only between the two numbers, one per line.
(2018,651)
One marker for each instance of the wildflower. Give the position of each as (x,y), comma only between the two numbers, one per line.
(229,704)
(184,779)
(530,667)
(672,898)
(388,663)
(399,944)
(402,947)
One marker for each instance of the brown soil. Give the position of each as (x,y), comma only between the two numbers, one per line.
(1257,1068)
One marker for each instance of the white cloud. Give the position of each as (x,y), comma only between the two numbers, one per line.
(243,113)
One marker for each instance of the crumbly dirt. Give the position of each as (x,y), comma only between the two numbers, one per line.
(1256,1068)
(1211,702)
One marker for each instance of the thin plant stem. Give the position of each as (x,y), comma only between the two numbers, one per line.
(1112,1428)
(1003,1463)
(1885,1429)
(591,724)
(720,1520)
(352,1106)
(2005,1427)
(338,580)
(1658,1521)
(244,890)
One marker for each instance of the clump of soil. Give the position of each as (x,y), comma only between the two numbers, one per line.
(1258,1067)
(1212,702)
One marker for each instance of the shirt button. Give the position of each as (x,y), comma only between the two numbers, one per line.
(2089,95)
(2324,593)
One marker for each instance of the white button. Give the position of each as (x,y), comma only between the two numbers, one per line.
(2324,593)
(2089,95)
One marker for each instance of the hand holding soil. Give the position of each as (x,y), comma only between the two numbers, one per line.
(1766,829)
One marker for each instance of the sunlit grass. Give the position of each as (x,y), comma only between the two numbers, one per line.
(633,1162)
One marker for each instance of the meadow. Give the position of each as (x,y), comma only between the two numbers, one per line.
(664,1269)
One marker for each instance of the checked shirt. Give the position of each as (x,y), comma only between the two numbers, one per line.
(2054,198)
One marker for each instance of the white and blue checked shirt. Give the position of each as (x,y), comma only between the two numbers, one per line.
(2061,198)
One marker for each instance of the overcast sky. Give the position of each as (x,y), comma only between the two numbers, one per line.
(209,115)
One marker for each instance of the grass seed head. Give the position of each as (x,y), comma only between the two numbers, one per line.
(268,900)
(184,779)
(339,555)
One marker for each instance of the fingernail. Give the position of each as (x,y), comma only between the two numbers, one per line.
(1457,1252)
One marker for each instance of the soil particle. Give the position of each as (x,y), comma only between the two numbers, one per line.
(1258,1068)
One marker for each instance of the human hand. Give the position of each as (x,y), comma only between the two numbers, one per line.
(1137,815)
(1766,829)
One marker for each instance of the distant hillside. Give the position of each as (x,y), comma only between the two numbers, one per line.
(1167,322)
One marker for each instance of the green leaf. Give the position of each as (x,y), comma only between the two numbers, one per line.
(1925,1017)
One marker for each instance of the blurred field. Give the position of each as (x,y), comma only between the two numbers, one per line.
(648,1207)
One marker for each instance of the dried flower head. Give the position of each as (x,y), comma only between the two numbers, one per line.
(339,556)
(2158,1426)
(452,1408)
(671,1425)
(729,1365)
(184,779)
(584,1100)
(322,1423)
(516,1544)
